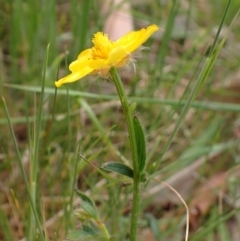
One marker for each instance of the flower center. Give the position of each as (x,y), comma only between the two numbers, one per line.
(102,46)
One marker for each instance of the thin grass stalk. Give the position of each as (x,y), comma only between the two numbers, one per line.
(67,209)
(74,177)
(80,13)
(220,27)
(36,143)
(100,128)
(165,41)
(204,231)
(203,105)
(20,163)
(197,86)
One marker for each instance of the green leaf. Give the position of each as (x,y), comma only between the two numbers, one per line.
(103,173)
(77,235)
(132,107)
(143,177)
(90,230)
(87,204)
(118,168)
(141,143)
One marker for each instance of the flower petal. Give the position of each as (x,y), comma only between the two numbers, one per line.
(97,64)
(134,40)
(82,62)
(85,54)
(117,55)
(77,66)
(74,76)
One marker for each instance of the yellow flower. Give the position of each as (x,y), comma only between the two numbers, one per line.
(106,54)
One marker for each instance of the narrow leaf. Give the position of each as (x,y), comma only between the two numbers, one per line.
(87,204)
(119,168)
(141,143)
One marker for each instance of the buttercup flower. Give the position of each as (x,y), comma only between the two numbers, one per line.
(106,54)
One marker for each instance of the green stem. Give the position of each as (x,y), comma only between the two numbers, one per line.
(104,230)
(129,114)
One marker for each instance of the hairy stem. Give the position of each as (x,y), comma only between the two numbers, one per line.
(129,114)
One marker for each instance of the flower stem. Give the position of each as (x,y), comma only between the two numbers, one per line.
(129,115)
(104,229)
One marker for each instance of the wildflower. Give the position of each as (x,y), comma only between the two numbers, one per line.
(106,54)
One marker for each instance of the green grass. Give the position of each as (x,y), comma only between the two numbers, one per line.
(186,87)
